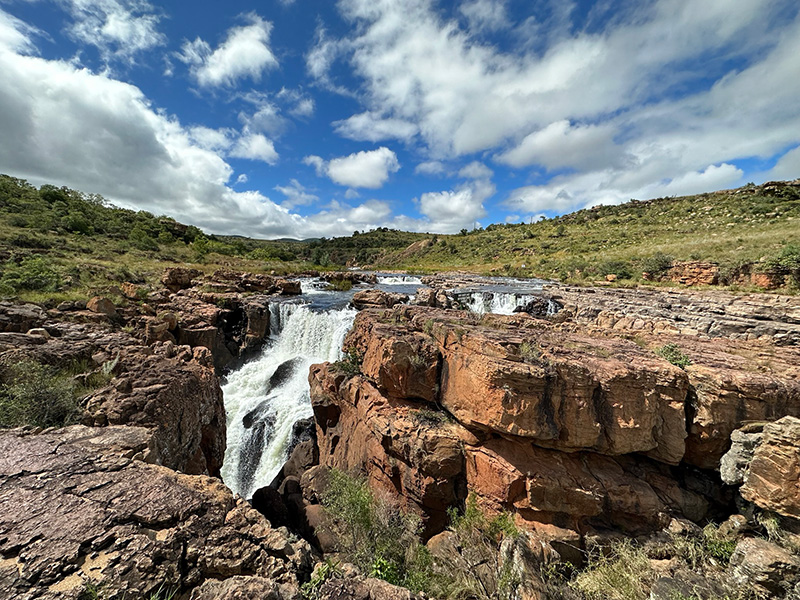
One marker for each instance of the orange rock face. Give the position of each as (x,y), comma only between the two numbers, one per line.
(573,429)
(774,474)
(695,272)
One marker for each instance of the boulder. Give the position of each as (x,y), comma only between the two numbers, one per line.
(80,504)
(358,429)
(765,566)
(772,482)
(179,397)
(288,287)
(179,278)
(694,272)
(373,298)
(102,306)
(735,463)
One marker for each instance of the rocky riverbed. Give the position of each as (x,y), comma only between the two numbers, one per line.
(576,423)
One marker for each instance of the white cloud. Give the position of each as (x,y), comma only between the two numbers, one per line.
(561,144)
(485,15)
(475,170)
(788,167)
(649,97)
(430,167)
(607,187)
(366,169)
(451,210)
(207,138)
(242,178)
(15,34)
(119,29)
(96,134)
(244,53)
(296,195)
(371,127)
(254,146)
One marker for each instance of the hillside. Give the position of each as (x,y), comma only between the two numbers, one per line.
(89,243)
(733,228)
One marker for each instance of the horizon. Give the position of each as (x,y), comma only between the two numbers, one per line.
(298,119)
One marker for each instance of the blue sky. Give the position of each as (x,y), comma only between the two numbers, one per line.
(303,118)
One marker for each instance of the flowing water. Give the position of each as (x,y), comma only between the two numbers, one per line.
(266,396)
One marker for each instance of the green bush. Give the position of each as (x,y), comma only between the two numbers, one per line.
(33,273)
(657,264)
(673,354)
(622,572)
(35,394)
(350,363)
(787,262)
(340,285)
(379,539)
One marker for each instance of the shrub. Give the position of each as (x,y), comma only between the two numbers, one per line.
(479,570)
(379,539)
(33,273)
(615,267)
(35,394)
(623,572)
(787,262)
(673,354)
(657,264)
(350,364)
(340,285)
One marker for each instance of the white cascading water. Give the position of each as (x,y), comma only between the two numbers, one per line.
(399,280)
(501,303)
(265,397)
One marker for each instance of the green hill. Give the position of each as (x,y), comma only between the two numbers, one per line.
(60,243)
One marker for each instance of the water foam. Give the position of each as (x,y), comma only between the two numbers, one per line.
(255,453)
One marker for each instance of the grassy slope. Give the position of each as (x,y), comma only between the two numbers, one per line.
(90,244)
(730,228)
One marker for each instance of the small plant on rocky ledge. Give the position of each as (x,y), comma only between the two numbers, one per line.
(325,571)
(529,353)
(431,418)
(38,395)
(428,327)
(350,363)
(673,354)
(340,285)
(376,537)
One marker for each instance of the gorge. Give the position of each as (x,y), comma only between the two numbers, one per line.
(567,415)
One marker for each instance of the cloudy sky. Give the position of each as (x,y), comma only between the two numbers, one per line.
(304,118)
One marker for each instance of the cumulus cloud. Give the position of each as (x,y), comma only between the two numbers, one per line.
(566,193)
(562,144)
(254,146)
(93,133)
(371,127)
(475,170)
(578,102)
(119,29)
(244,53)
(365,169)
(296,194)
(430,167)
(452,210)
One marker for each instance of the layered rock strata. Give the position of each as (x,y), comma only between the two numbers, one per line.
(83,505)
(572,432)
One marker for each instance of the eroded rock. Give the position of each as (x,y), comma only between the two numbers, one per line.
(79,505)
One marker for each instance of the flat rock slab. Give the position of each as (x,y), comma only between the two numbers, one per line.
(80,505)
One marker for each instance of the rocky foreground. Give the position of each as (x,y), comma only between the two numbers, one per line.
(571,422)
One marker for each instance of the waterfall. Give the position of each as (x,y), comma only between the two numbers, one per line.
(501,303)
(265,397)
(399,280)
